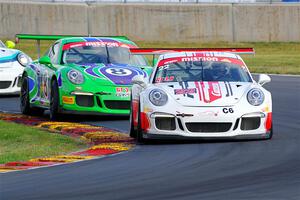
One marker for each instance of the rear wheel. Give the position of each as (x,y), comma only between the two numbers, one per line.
(25,107)
(54,101)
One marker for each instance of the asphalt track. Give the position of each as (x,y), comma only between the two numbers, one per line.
(179,170)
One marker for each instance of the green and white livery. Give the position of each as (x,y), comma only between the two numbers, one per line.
(82,75)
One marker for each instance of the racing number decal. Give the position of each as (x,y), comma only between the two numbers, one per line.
(118,71)
(121,75)
(228,110)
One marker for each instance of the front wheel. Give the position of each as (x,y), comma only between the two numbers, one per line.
(132,132)
(270,134)
(139,133)
(54,101)
(25,107)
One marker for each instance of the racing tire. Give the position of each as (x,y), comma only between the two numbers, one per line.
(270,134)
(139,133)
(132,131)
(54,101)
(25,107)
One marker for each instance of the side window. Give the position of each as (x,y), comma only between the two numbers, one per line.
(54,52)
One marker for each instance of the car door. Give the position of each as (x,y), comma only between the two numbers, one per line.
(46,72)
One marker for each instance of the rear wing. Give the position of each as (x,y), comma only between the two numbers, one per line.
(159,51)
(38,38)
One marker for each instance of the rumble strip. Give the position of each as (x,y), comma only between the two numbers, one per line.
(103,141)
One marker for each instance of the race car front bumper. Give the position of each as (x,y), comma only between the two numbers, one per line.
(209,123)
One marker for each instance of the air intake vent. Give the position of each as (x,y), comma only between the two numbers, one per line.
(208,127)
(117,105)
(5,84)
(84,100)
(250,123)
(165,123)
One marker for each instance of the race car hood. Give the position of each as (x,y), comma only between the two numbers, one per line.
(206,93)
(111,74)
(8,55)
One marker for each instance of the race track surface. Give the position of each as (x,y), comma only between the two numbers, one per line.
(178,170)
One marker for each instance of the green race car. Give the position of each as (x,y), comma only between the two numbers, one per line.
(81,75)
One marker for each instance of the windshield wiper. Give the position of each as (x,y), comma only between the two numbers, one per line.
(107,53)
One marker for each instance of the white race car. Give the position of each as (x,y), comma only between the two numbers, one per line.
(200,95)
(12,64)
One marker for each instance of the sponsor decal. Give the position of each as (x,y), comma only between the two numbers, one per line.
(226,60)
(209,113)
(164,79)
(185,91)
(94,44)
(122,92)
(97,43)
(208,91)
(186,59)
(201,57)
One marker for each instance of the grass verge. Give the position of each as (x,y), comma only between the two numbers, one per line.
(19,143)
(270,57)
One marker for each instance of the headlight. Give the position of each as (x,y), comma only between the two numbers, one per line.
(255,97)
(23,59)
(158,97)
(75,76)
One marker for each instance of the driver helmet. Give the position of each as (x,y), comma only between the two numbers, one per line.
(220,69)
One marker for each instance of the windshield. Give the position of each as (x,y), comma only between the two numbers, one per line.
(201,71)
(102,54)
(2,44)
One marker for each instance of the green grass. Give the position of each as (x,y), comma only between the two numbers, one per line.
(273,57)
(21,143)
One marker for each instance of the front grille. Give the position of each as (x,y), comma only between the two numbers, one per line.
(208,127)
(84,100)
(117,105)
(165,123)
(5,84)
(250,123)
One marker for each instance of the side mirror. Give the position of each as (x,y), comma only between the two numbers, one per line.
(10,44)
(45,60)
(263,79)
(140,80)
